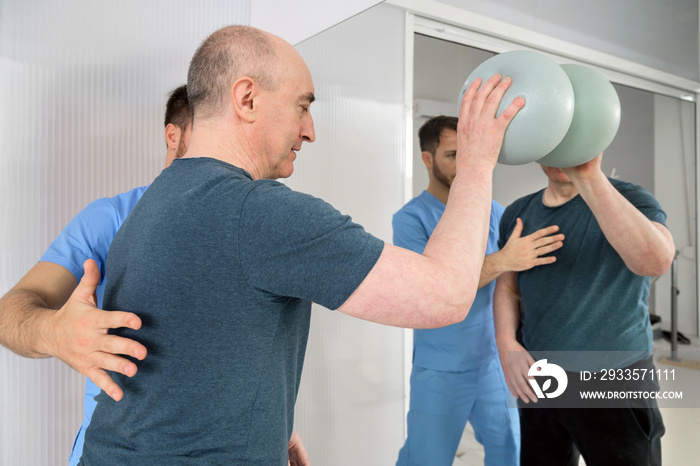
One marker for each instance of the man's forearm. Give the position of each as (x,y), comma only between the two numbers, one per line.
(24,318)
(506,308)
(438,287)
(460,238)
(492,269)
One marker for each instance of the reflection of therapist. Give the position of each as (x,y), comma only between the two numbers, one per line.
(456,374)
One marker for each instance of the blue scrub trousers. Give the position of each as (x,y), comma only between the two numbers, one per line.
(441,404)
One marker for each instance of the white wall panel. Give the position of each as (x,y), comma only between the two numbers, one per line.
(298,20)
(83,86)
(675,187)
(350,406)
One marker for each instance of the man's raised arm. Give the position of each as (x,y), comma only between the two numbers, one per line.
(437,288)
(646,247)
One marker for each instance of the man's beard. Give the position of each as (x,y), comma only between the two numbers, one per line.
(440,176)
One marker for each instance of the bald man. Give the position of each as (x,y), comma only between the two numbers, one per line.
(221,264)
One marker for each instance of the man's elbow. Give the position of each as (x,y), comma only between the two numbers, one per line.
(460,313)
(656,264)
(659,255)
(453,311)
(662,264)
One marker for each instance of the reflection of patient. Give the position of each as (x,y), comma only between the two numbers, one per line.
(593,298)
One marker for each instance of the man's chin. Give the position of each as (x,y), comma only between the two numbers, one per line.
(288,167)
(286,172)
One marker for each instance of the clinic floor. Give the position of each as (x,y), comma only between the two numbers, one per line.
(680,444)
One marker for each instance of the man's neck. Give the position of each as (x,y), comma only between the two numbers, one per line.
(557,193)
(439,190)
(217,143)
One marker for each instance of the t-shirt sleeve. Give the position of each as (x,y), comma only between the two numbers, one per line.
(409,232)
(87,236)
(644,201)
(295,245)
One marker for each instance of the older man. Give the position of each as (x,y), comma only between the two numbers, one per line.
(221,264)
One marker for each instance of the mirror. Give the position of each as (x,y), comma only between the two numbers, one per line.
(654,148)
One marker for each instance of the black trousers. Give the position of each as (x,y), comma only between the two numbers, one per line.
(627,434)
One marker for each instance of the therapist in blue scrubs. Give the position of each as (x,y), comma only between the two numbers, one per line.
(456,374)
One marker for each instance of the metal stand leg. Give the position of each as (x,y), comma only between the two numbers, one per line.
(674,308)
(674,358)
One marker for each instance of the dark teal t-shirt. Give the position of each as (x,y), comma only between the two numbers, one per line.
(588,300)
(222,270)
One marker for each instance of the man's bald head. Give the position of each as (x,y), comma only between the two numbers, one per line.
(225,56)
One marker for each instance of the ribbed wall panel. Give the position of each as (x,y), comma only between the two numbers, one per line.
(83,86)
(350,406)
(675,187)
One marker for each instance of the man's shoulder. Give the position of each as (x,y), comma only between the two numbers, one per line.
(628,187)
(90,233)
(116,207)
(268,204)
(127,199)
(279,196)
(421,204)
(641,198)
(409,208)
(522,202)
(197,175)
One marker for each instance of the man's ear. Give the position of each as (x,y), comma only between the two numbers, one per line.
(244,95)
(427,159)
(172,136)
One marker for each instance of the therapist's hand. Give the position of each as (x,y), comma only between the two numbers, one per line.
(80,336)
(297,452)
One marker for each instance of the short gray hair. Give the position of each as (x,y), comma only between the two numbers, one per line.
(223,57)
